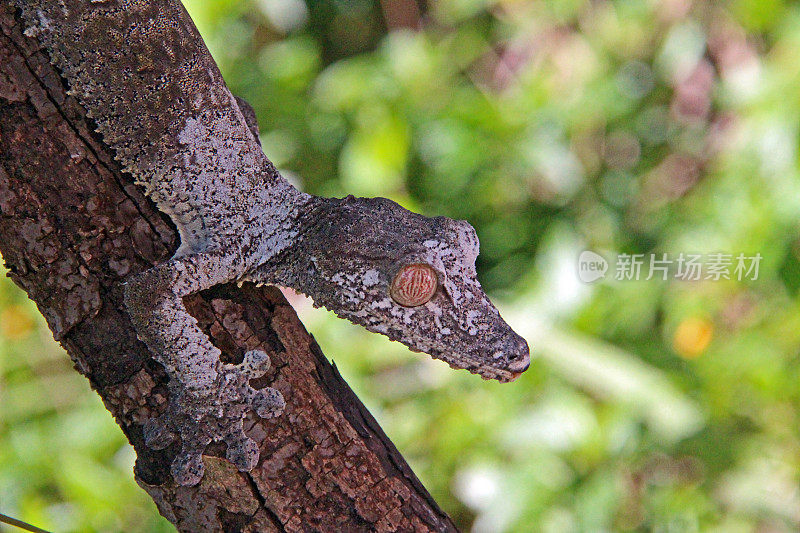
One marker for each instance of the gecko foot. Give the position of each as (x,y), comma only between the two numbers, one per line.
(200,416)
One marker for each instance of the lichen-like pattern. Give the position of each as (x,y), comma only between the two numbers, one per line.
(144,76)
(350,251)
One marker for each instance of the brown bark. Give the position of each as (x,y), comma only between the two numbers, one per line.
(73,227)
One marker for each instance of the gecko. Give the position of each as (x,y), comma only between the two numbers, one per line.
(146,79)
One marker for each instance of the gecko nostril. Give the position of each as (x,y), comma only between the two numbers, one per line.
(519,357)
(519,366)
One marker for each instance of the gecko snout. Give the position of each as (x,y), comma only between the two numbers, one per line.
(517,354)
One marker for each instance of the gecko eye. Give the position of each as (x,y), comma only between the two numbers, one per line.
(413,285)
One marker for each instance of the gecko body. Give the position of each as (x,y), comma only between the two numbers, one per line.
(142,73)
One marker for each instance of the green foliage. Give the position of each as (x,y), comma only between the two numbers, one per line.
(553,127)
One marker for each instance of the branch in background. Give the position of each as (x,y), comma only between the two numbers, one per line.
(20,524)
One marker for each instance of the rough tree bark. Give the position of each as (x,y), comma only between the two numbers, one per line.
(73,227)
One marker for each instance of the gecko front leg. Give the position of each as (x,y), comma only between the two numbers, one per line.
(208,398)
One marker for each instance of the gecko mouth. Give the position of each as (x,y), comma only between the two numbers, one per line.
(510,372)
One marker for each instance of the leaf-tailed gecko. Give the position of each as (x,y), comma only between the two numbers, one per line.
(144,76)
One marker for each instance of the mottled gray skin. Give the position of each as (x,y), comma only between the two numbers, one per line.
(144,76)
(349,250)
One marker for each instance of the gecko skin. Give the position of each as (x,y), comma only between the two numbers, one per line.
(144,76)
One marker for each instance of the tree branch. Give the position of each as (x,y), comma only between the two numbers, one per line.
(73,228)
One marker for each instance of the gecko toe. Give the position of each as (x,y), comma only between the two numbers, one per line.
(267,403)
(255,364)
(242,452)
(188,468)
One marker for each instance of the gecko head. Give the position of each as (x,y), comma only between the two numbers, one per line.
(411,278)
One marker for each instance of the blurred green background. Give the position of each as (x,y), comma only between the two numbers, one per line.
(638,127)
